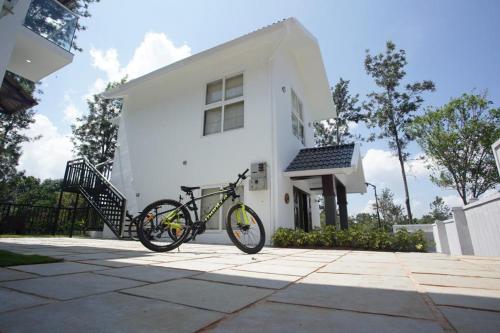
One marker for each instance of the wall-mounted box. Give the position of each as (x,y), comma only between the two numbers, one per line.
(258,176)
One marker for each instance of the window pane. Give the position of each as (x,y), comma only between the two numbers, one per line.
(295,102)
(207,204)
(214,92)
(234,87)
(212,123)
(233,116)
(295,125)
(229,203)
(300,110)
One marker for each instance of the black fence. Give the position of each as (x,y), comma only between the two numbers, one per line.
(45,220)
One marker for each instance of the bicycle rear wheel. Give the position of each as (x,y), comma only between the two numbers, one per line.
(163,225)
(245,229)
(132,230)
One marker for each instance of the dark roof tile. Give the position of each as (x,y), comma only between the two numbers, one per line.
(329,157)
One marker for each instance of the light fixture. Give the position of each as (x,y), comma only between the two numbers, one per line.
(28,61)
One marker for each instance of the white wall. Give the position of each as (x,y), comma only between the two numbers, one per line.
(163,123)
(483,219)
(9,26)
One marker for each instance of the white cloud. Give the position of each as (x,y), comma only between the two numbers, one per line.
(155,51)
(70,111)
(369,207)
(382,167)
(46,157)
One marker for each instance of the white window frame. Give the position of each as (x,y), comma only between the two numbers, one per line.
(222,103)
(299,117)
(221,209)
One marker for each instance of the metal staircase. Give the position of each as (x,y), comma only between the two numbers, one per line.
(84,178)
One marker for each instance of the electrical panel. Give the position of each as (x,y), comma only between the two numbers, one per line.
(258,176)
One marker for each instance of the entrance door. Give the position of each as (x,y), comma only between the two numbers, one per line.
(302,210)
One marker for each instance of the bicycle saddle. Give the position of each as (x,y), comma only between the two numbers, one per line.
(188,189)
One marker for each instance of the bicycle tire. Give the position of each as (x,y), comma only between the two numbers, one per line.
(145,218)
(239,228)
(133,233)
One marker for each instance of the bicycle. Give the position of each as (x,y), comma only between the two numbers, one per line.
(132,226)
(165,224)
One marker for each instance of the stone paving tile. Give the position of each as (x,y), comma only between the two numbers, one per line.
(108,263)
(445,264)
(10,274)
(194,265)
(252,279)
(203,294)
(232,260)
(90,256)
(287,261)
(366,268)
(323,259)
(13,300)
(286,318)
(458,272)
(64,287)
(373,294)
(465,297)
(457,281)
(148,273)
(368,258)
(264,267)
(472,321)
(112,312)
(57,268)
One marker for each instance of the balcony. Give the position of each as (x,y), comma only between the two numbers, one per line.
(43,43)
(53,21)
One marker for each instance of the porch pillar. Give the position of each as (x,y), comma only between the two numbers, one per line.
(342,201)
(329,197)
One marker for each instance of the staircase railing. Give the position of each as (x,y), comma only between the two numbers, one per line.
(109,203)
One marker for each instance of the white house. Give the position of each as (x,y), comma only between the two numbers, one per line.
(35,41)
(247,103)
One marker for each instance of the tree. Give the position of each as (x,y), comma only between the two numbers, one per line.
(439,212)
(457,139)
(392,109)
(95,136)
(336,130)
(390,212)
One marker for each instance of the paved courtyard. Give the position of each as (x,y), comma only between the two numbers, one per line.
(119,286)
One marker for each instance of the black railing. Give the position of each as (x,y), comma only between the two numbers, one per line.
(82,177)
(41,220)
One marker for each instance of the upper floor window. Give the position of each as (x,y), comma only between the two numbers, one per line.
(224,105)
(297,118)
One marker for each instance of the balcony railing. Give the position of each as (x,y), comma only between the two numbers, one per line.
(53,21)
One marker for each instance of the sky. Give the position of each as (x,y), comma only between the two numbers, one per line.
(454,43)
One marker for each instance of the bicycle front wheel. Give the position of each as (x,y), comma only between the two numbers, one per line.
(163,225)
(245,229)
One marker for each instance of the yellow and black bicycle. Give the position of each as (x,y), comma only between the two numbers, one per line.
(165,224)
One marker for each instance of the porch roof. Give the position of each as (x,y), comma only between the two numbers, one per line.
(343,161)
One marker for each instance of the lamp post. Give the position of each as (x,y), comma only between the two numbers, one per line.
(376,203)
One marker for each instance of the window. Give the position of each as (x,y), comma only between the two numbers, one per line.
(218,220)
(297,118)
(224,105)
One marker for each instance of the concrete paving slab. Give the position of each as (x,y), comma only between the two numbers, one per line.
(445,264)
(472,321)
(202,294)
(13,300)
(465,297)
(364,293)
(457,272)
(194,265)
(57,268)
(108,263)
(366,268)
(323,259)
(148,273)
(457,281)
(286,318)
(112,312)
(264,267)
(64,287)
(11,274)
(252,279)
(287,261)
(90,256)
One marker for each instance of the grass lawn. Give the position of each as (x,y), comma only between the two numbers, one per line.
(8,258)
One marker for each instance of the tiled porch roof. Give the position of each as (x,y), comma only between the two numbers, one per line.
(330,157)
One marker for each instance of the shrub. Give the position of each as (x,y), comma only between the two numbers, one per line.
(355,237)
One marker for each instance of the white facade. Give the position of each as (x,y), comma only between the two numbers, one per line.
(161,136)
(31,52)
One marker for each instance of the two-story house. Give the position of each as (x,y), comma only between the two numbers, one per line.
(247,103)
(35,41)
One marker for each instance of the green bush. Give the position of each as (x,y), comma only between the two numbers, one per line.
(354,238)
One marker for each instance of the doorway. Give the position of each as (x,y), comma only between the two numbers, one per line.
(302,210)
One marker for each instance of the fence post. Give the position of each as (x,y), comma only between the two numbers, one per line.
(73,218)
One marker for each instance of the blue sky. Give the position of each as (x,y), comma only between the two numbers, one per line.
(453,43)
